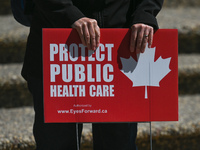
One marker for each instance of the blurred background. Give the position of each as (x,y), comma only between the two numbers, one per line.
(16,112)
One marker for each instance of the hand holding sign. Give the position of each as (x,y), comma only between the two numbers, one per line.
(88,31)
(141,34)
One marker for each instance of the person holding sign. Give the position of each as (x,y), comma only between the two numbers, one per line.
(87,17)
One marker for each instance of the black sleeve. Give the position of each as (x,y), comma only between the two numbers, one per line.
(61,13)
(146,12)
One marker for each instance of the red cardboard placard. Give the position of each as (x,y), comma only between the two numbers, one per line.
(110,84)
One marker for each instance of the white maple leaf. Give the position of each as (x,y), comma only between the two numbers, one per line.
(146,72)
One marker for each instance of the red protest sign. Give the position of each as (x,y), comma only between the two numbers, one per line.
(110,84)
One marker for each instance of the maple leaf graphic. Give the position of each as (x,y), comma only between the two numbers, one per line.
(146,72)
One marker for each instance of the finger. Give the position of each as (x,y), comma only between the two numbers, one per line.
(133,39)
(92,35)
(150,40)
(80,32)
(86,35)
(145,40)
(139,40)
(97,34)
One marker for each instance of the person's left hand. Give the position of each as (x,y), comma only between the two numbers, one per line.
(141,34)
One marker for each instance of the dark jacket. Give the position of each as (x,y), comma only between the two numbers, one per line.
(63,13)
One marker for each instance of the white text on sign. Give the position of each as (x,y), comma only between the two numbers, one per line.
(74,66)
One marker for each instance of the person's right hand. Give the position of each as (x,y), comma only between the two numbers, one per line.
(88,31)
